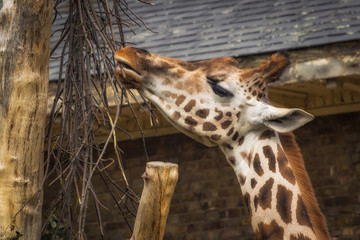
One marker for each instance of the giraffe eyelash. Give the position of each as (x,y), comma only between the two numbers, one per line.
(218,90)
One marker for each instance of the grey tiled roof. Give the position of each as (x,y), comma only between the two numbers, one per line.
(202,29)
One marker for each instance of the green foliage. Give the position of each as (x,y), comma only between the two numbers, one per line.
(12,229)
(16,237)
(55,229)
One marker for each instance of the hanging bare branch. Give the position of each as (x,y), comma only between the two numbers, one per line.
(88,39)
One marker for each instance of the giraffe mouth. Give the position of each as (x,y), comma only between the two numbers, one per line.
(128,77)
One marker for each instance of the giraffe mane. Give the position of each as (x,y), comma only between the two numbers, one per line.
(297,164)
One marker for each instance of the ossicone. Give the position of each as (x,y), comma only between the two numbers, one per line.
(272,68)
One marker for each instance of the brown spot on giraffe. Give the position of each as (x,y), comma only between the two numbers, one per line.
(299,236)
(169,94)
(168,107)
(232,160)
(166,81)
(190,105)
(242,179)
(269,154)
(257,165)
(270,231)
(190,121)
(253,183)
(268,134)
(179,100)
(215,137)
(247,202)
(283,203)
(235,136)
(208,126)
(226,124)
(230,131)
(203,113)
(219,116)
(265,194)
(301,213)
(256,203)
(176,115)
(284,166)
(228,114)
(241,140)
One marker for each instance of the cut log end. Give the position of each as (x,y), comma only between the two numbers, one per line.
(160,179)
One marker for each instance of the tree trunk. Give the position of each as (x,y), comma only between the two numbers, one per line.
(25,27)
(159,184)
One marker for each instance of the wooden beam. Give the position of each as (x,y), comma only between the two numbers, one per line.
(309,87)
(287,92)
(321,111)
(159,184)
(351,86)
(136,134)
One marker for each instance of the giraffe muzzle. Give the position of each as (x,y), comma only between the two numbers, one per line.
(127,76)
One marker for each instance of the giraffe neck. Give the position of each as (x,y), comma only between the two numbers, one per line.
(271,189)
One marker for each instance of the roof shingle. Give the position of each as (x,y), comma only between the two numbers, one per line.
(203,29)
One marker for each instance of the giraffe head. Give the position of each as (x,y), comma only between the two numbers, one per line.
(213,101)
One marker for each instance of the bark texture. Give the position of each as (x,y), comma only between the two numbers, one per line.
(25,27)
(159,184)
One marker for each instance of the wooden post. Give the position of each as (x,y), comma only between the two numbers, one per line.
(159,184)
(25,29)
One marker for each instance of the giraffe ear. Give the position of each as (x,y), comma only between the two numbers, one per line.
(286,120)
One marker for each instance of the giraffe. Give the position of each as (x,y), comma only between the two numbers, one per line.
(219,104)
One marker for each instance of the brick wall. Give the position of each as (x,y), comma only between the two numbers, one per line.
(207,203)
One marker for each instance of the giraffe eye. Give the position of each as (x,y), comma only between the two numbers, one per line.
(218,90)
